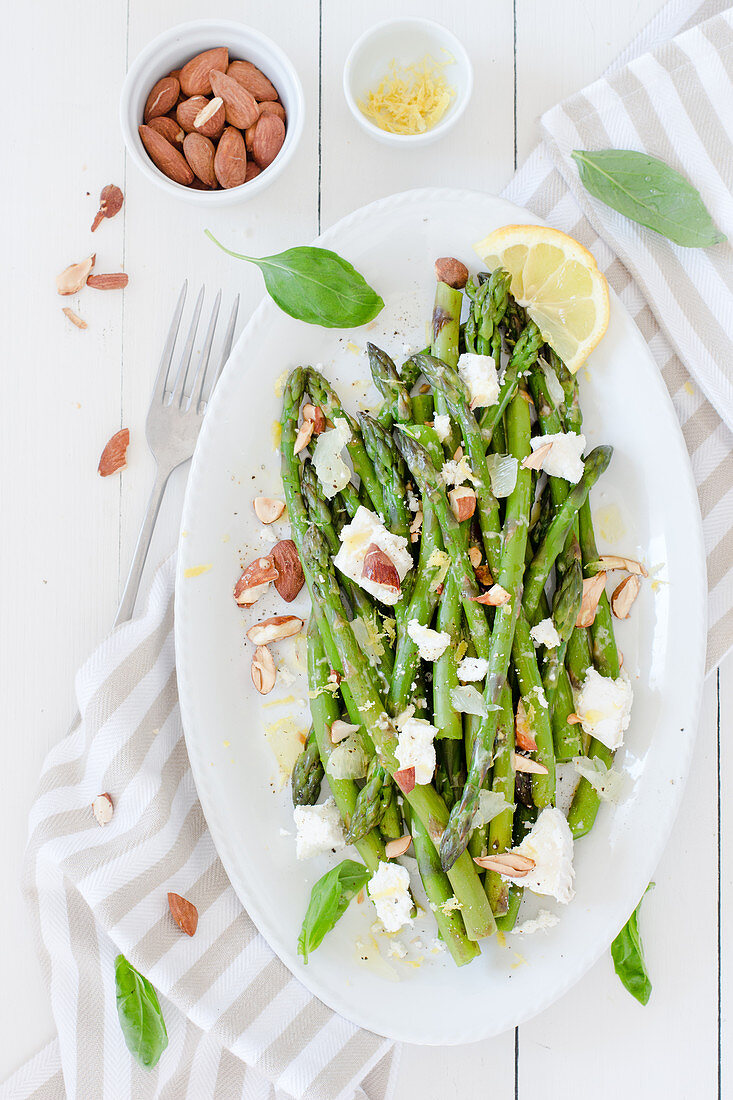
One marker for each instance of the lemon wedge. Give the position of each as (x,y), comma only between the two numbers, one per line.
(558,283)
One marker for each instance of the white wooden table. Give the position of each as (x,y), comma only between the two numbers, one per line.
(68,535)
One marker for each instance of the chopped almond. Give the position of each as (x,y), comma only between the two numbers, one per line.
(267,509)
(526,764)
(73,277)
(475,556)
(275,629)
(74,318)
(535,460)
(405,779)
(511,864)
(380,568)
(522,729)
(608,562)
(495,597)
(593,589)
(304,436)
(463,502)
(255,578)
(317,416)
(624,595)
(263,670)
(114,455)
(394,848)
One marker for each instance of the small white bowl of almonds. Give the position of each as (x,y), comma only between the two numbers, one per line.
(211,112)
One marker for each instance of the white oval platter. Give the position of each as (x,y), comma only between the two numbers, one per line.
(647,508)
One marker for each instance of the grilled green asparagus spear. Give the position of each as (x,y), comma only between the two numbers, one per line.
(455,837)
(390,470)
(397,402)
(305,780)
(500,827)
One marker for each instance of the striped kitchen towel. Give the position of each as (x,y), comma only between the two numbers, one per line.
(239,1024)
(670,95)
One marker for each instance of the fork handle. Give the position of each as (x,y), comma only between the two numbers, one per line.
(132,584)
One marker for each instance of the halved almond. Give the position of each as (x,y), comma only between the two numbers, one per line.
(416,525)
(405,779)
(495,597)
(275,629)
(624,595)
(593,589)
(475,556)
(522,729)
(458,454)
(574,719)
(263,670)
(535,460)
(608,562)
(340,730)
(267,509)
(525,764)
(394,848)
(317,415)
(103,809)
(380,568)
(463,502)
(511,864)
(290,578)
(304,436)
(257,575)
(73,277)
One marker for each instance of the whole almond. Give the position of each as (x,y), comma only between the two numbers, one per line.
(253,79)
(199,152)
(290,579)
(169,128)
(117,280)
(451,271)
(230,161)
(195,73)
(184,913)
(271,108)
(166,157)
(210,120)
(162,98)
(249,137)
(240,105)
(252,171)
(268,139)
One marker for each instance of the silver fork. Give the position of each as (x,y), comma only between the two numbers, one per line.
(174,419)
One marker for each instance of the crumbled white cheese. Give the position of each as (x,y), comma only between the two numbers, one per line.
(563,458)
(431,644)
(456,471)
(413,502)
(389,889)
(397,949)
(415,748)
(472,668)
(479,374)
(331,470)
(319,829)
(541,923)
(604,707)
(545,633)
(550,844)
(441,423)
(356,537)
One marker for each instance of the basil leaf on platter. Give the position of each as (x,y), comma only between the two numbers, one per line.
(329,900)
(315,285)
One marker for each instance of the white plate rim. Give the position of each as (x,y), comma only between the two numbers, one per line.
(471,1031)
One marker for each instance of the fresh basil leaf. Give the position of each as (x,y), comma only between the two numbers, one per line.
(316,286)
(628,957)
(141,1020)
(329,900)
(649,192)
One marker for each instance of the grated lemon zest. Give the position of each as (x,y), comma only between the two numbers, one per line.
(410,99)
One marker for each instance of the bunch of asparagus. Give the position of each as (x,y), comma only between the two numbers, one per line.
(516,561)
